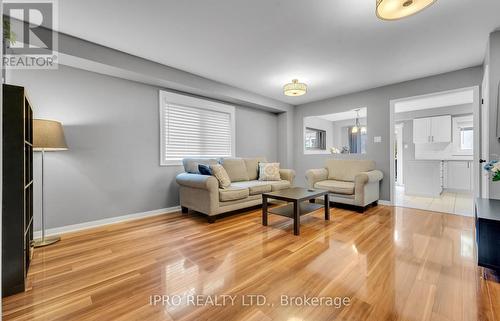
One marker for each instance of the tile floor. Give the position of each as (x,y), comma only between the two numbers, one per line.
(447,202)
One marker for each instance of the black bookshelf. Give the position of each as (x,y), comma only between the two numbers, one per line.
(17,198)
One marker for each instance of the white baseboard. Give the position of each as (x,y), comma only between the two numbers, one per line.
(383,202)
(106,221)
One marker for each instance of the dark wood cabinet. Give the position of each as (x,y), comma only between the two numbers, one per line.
(488,233)
(17,198)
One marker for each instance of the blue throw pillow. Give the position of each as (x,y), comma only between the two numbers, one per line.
(204,169)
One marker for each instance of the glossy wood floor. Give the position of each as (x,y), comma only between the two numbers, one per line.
(392,263)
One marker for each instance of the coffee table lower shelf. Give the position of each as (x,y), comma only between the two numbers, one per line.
(287,210)
(298,206)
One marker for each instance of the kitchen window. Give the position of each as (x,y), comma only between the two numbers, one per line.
(463,135)
(466,138)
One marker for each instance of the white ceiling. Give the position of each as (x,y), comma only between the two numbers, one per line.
(350,114)
(335,46)
(453,98)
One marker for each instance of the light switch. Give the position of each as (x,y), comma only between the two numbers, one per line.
(377,139)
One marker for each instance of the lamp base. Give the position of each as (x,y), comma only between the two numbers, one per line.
(47,241)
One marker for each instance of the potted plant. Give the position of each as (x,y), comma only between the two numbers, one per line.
(493,167)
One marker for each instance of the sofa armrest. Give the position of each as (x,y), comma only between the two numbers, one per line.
(287,175)
(368,177)
(316,175)
(198,181)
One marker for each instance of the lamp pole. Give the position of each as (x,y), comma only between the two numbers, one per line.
(43,196)
(44,241)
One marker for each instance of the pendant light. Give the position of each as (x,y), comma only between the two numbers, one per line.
(357,127)
(397,9)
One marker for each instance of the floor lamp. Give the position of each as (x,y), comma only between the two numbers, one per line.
(48,136)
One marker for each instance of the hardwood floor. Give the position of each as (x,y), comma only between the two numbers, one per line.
(391,263)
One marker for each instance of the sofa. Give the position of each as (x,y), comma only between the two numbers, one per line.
(351,182)
(201,193)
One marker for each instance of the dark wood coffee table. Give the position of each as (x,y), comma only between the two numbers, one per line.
(297,196)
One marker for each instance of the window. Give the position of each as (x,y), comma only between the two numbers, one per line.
(463,135)
(194,127)
(357,142)
(315,139)
(466,138)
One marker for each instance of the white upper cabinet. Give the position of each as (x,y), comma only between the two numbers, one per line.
(432,130)
(421,130)
(441,129)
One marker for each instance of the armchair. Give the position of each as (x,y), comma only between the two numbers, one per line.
(353,182)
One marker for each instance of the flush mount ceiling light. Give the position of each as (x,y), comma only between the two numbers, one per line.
(397,9)
(295,88)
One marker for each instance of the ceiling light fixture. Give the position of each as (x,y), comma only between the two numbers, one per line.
(295,88)
(397,9)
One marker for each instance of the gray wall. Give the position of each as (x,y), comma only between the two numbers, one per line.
(377,102)
(112,129)
(256,133)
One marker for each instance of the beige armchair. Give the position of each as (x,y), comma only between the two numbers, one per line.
(202,193)
(353,182)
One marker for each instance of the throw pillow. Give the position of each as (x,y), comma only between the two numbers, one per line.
(204,169)
(220,173)
(269,172)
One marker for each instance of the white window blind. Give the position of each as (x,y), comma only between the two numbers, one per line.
(193,127)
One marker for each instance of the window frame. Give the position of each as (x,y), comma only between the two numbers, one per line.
(460,122)
(461,131)
(166,97)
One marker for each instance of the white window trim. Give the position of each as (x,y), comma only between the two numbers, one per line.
(460,122)
(183,100)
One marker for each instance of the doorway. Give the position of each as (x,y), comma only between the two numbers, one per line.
(436,149)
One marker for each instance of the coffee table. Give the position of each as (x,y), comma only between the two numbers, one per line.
(297,197)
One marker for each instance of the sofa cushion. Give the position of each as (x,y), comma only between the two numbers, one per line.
(235,168)
(232,194)
(346,170)
(252,165)
(220,173)
(337,187)
(191,164)
(254,187)
(279,185)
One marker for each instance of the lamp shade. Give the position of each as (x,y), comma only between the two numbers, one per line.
(48,135)
(397,9)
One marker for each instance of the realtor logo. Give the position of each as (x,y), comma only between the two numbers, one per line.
(29,39)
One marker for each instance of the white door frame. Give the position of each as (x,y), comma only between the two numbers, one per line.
(477,141)
(399,146)
(484,132)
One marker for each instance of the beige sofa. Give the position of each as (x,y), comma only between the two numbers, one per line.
(352,182)
(202,193)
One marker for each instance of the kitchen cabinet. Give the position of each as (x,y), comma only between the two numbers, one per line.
(432,130)
(423,178)
(459,175)
(421,130)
